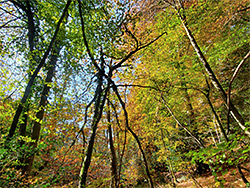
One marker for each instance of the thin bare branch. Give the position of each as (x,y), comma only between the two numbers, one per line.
(184,127)
(230,86)
(8,12)
(242,10)
(5,24)
(18,4)
(136,50)
(135,85)
(133,36)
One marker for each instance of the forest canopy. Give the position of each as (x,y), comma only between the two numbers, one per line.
(124,93)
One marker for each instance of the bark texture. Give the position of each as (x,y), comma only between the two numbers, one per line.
(39,116)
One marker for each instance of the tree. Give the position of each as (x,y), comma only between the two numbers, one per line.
(179,7)
(122,93)
(156,65)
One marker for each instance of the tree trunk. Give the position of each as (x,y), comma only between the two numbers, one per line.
(39,116)
(216,116)
(99,104)
(171,169)
(212,76)
(31,40)
(34,75)
(114,175)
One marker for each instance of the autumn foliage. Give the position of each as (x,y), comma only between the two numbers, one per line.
(124,93)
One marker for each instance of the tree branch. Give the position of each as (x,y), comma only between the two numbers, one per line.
(133,133)
(136,50)
(230,86)
(85,38)
(191,134)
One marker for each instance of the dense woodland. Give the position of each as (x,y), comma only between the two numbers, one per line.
(124,93)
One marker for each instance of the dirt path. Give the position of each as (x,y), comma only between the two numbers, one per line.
(232,180)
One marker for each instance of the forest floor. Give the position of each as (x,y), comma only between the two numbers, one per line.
(232,180)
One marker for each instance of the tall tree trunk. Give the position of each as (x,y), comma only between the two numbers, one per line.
(39,116)
(189,105)
(114,174)
(99,104)
(234,112)
(31,40)
(32,30)
(34,75)
(212,76)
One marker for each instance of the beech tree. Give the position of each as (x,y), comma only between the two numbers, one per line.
(123,93)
